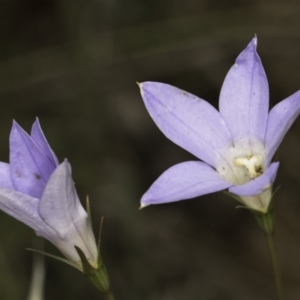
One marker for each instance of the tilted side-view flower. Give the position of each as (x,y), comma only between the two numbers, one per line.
(38,191)
(235,144)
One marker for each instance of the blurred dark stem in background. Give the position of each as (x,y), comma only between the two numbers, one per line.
(74,64)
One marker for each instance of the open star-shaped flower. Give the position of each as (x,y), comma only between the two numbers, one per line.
(236,144)
(38,191)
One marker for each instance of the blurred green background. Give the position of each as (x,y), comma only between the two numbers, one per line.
(74,64)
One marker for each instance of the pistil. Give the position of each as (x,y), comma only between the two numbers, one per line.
(254,165)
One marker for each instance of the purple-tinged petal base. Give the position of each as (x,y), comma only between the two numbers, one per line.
(257,185)
(60,208)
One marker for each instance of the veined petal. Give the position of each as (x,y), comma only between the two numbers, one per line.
(61,209)
(24,208)
(257,185)
(30,167)
(244,98)
(187,120)
(184,181)
(281,118)
(38,136)
(59,206)
(5,176)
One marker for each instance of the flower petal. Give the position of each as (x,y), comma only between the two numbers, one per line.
(187,120)
(24,208)
(61,209)
(257,185)
(184,181)
(38,136)
(281,118)
(30,168)
(5,176)
(244,98)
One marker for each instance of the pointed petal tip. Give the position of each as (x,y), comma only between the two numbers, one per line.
(143,206)
(254,40)
(248,52)
(63,169)
(16,129)
(252,45)
(15,124)
(36,126)
(140,85)
(37,123)
(67,165)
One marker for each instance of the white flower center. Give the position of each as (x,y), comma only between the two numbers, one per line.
(241,163)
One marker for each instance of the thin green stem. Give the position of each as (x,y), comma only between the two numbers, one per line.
(109,296)
(266,223)
(275,265)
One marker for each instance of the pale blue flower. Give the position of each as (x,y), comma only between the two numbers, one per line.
(38,191)
(236,144)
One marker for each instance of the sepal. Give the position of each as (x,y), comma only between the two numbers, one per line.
(88,210)
(265,220)
(98,276)
(55,257)
(263,211)
(233,196)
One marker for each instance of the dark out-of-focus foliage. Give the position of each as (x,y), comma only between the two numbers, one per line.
(74,64)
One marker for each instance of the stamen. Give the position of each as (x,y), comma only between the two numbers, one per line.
(252,163)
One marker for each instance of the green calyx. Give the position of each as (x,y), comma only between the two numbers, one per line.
(266,221)
(263,211)
(98,275)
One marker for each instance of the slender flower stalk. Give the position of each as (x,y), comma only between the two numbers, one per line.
(38,191)
(266,223)
(236,144)
(109,296)
(36,291)
(275,265)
